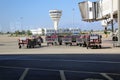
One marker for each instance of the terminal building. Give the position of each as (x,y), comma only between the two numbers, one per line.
(37,31)
(41,31)
(74,31)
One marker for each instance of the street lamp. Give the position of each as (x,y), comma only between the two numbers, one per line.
(21,18)
(119,22)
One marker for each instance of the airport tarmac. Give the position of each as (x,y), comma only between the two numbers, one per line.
(58,62)
(9,45)
(60,67)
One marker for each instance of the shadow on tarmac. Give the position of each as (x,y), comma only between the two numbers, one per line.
(106,47)
(2,44)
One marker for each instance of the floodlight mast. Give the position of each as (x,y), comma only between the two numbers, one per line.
(55,16)
(119,22)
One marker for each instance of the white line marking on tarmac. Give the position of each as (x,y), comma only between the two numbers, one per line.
(106,76)
(62,75)
(88,72)
(24,74)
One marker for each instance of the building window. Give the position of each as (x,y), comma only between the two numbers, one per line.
(90,9)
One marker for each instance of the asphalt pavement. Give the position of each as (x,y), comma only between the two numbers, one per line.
(60,67)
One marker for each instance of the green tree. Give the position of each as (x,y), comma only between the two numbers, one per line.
(17,33)
(29,32)
(23,32)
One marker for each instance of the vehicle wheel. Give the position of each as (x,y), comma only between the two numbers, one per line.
(96,46)
(19,46)
(84,45)
(66,44)
(39,45)
(77,44)
(100,46)
(60,43)
(80,45)
(52,44)
(33,46)
(27,46)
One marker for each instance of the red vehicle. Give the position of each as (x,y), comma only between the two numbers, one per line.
(52,39)
(81,40)
(23,41)
(94,41)
(29,42)
(67,40)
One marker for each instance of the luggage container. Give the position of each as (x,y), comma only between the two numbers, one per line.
(52,39)
(93,41)
(81,40)
(67,40)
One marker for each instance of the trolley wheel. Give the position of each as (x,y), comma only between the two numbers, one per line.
(80,45)
(33,46)
(77,44)
(19,46)
(52,44)
(39,45)
(70,44)
(96,46)
(60,43)
(100,46)
(66,44)
(27,46)
(84,45)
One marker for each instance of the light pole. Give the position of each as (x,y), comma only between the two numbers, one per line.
(21,18)
(119,22)
(112,17)
(73,16)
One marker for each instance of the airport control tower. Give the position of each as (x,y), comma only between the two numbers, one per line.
(55,16)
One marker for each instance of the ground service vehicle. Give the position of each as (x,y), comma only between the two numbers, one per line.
(67,40)
(93,41)
(81,40)
(52,39)
(30,42)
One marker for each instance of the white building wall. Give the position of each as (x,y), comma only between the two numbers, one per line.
(37,31)
(49,31)
(33,31)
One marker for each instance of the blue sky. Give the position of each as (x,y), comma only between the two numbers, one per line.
(32,14)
